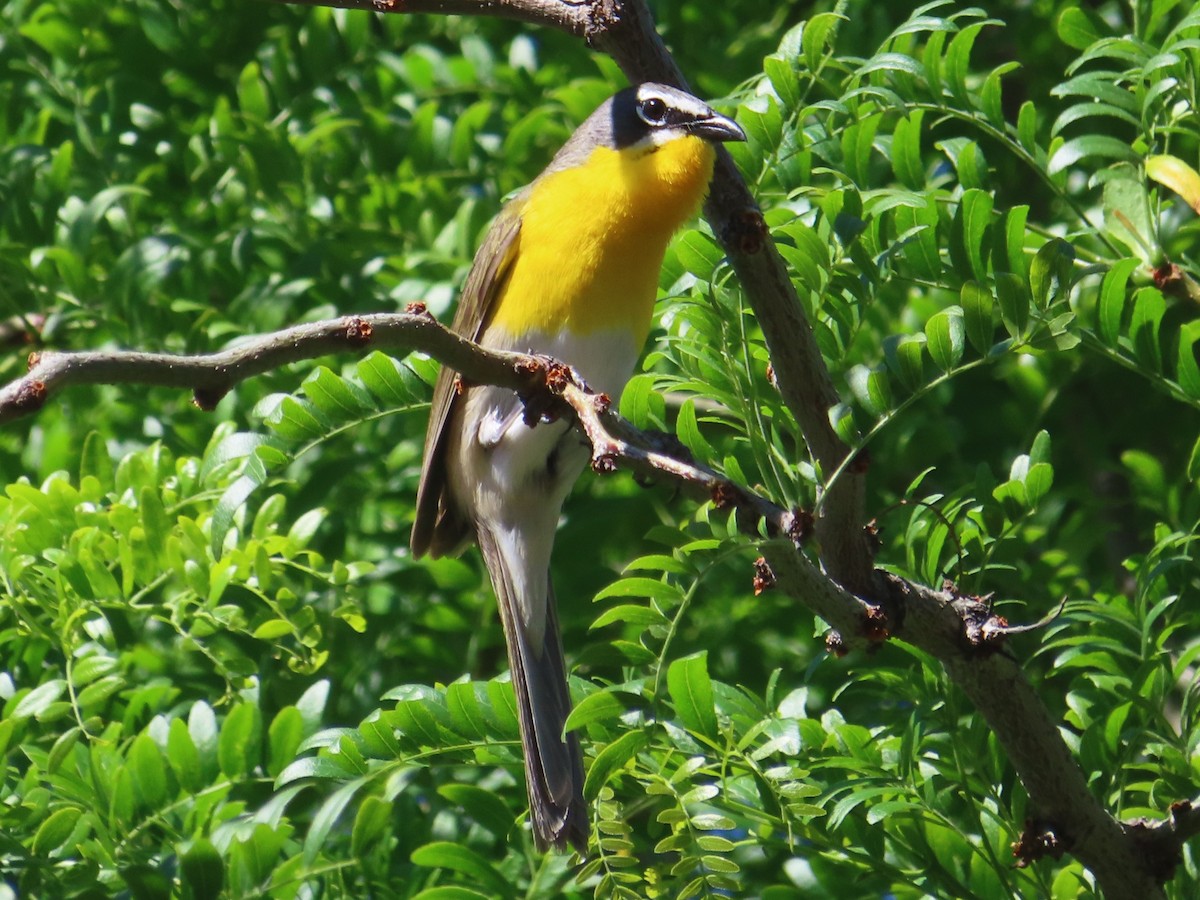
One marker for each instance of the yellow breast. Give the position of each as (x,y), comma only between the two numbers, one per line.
(593,236)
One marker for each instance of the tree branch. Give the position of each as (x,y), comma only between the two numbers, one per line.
(571,16)
(212,375)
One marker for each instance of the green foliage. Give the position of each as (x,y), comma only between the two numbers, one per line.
(222,674)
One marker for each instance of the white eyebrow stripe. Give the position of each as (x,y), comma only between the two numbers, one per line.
(685,103)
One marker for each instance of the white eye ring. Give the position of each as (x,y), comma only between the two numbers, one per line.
(652,111)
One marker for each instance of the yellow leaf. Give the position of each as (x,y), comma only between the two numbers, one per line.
(1177,175)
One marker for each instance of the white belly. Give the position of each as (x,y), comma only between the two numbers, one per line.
(514,478)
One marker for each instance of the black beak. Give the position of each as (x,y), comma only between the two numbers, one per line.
(716,127)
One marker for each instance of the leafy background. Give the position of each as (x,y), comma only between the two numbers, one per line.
(223,676)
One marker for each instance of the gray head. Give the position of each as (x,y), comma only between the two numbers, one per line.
(645,115)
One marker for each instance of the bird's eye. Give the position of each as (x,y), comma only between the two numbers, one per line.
(653,111)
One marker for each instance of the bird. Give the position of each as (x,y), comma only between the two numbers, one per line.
(569,269)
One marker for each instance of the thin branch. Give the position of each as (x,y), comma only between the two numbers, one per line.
(212,375)
(571,16)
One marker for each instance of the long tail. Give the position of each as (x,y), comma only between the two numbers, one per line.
(553,766)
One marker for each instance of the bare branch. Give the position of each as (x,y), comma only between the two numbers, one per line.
(571,16)
(210,376)
(1162,840)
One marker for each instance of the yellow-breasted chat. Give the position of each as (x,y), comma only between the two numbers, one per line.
(569,269)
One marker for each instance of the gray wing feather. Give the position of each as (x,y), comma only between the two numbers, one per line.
(438,527)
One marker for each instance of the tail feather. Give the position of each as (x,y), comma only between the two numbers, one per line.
(553,766)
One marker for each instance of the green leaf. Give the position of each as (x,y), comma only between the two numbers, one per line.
(905,356)
(238,749)
(1027,124)
(969,246)
(818,34)
(233,499)
(1050,272)
(283,739)
(1128,217)
(1088,146)
(305,527)
(919,228)
(651,588)
(327,816)
(481,805)
(95,462)
(1013,299)
(872,388)
(63,745)
(688,431)
(1149,306)
(991,94)
(202,871)
(149,772)
(784,79)
(612,758)
(182,756)
(462,859)
(698,253)
(1076,28)
(272,629)
(1188,361)
(293,420)
(601,706)
(972,167)
(54,832)
(202,729)
(640,404)
(1102,86)
(1110,313)
(1193,467)
(692,693)
(464,708)
(978,306)
(386,378)
(370,825)
(39,700)
(641,616)
(450,892)
(1038,481)
(907,161)
(945,334)
(252,93)
(337,398)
